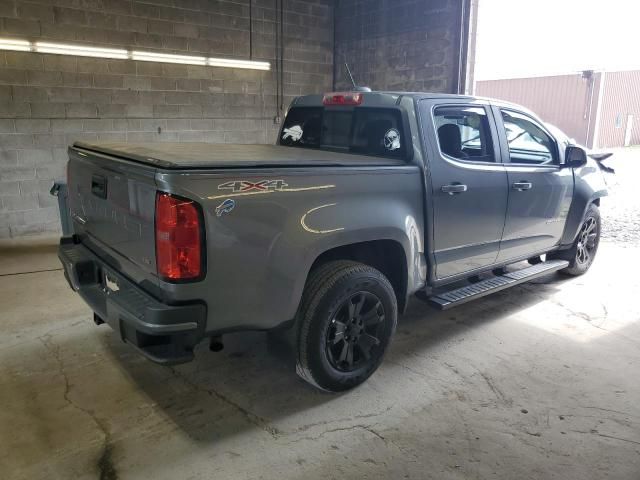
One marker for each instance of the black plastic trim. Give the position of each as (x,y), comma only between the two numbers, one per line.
(461,295)
(164,333)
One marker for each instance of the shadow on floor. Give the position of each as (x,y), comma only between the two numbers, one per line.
(252,383)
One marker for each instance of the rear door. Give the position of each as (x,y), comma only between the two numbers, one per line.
(468,183)
(540,191)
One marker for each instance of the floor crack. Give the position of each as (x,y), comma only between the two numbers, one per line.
(368,428)
(105,464)
(247,414)
(595,432)
(29,273)
(495,389)
(584,316)
(309,426)
(626,414)
(407,368)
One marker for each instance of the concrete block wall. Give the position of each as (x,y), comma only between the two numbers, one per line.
(49,101)
(403,45)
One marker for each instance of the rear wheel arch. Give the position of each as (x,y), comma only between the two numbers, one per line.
(387,256)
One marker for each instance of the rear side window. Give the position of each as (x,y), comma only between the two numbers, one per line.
(464,134)
(361,130)
(528,142)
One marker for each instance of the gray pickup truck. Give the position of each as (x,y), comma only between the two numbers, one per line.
(367,199)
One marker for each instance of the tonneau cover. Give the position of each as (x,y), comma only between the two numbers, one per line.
(205,155)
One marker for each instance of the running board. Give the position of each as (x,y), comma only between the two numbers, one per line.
(452,298)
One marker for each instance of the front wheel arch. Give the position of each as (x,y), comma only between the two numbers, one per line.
(581,202)
(578,266)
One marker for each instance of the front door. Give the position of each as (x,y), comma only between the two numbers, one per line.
(469,187)
(540,191)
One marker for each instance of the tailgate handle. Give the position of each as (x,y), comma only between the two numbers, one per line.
(99,186)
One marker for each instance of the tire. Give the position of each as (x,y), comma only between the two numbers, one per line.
(583,251)
(534,260)
(346,319)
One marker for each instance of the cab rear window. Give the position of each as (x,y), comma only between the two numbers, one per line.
(360,130)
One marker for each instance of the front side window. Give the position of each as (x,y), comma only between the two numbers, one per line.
(360,130)
(528,142)
(464,134)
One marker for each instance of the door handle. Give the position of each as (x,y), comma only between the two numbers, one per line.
(521,186)
(454,188)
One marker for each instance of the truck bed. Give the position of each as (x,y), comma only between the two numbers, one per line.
(207,155)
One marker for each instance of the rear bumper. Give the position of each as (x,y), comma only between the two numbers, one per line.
(163,333)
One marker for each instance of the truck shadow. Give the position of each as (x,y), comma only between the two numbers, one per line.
(442,325)
(252,383)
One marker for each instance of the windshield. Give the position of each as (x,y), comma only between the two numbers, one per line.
(361,130)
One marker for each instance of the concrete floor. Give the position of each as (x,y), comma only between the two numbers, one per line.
(540,381)
(536,382)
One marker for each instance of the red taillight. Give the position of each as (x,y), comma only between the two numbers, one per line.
(342,98)
(178,238)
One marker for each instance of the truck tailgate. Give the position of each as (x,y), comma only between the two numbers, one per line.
(112,204)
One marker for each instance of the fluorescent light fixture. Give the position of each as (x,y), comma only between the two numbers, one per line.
(17,45)
(99,52)
(226,62)
(83,51)
(167,58)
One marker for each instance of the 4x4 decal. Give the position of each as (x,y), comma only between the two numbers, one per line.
(240,188)
(246,186)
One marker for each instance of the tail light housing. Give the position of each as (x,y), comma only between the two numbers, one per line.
(179,238)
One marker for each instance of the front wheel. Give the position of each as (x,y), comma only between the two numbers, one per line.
(346,320)
(583,251)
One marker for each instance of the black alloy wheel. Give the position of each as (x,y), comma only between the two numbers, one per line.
(347,316)
(584,248)
(354,333)
(587,241)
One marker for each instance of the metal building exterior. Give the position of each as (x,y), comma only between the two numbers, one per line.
(619,114)
(597,109)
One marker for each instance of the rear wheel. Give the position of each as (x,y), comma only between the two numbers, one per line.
(534,260)
(346,320)
(581,255)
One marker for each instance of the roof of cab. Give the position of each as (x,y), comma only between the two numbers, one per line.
(380,97)
(390,98)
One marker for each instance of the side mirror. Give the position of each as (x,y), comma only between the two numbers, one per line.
(575,157)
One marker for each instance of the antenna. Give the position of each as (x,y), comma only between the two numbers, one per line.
(356,88)
(353,82)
